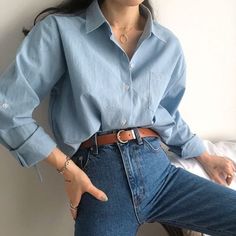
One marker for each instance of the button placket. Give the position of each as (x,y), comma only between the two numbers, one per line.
(131,65)
(126,87)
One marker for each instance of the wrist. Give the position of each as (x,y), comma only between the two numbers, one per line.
(70,171)
(57,159)
(204,157)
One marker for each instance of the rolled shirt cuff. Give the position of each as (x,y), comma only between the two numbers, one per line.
(193,148)
(36,148)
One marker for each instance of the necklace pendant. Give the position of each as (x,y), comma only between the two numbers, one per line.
(123,38)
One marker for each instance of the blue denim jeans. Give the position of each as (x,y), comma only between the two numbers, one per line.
(144,187)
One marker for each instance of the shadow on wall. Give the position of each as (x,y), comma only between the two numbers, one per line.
(151,229)
(11,37)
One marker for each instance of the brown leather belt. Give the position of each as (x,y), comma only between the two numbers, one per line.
(122,136)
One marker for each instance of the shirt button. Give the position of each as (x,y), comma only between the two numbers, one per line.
(124,122)
(4,105)
(131,65)
(126,86)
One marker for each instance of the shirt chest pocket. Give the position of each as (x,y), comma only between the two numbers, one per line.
(157,83)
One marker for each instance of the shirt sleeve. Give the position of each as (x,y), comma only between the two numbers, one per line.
(174,131)
(38,65)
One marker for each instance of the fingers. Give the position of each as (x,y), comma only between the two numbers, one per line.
(229,179)
(97,193)
(233,163)
(76,189)
(229,170)
(224,179)
(74,209)
(219,180)
(230,163)
(73,212)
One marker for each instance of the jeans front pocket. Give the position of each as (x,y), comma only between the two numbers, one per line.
(81,158)
(153,143)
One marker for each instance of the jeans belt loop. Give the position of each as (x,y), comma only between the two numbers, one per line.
(94,147)
(138,137)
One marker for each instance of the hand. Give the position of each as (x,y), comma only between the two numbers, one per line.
(79,183)
(219,168)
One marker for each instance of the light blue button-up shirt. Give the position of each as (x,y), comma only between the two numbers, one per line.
(93,85)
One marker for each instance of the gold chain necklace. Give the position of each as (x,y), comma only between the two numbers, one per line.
(124,37)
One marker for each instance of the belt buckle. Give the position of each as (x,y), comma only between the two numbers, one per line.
(118,136)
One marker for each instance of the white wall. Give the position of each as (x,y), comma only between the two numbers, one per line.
(207,31)
(208,35)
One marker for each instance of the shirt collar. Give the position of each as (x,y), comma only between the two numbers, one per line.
(95,18)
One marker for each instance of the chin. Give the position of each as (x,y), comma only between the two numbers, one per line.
(130,3)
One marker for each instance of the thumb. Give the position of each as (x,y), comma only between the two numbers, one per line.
(97,193)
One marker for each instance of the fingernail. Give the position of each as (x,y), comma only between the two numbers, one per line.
(104,198)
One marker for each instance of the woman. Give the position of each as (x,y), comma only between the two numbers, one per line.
(116,78)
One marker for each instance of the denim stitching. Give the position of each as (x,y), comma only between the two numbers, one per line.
(137,161)
(151,146)
(127,175)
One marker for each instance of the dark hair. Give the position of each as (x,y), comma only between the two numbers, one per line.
(72,6)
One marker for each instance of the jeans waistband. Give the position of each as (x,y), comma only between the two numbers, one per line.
(94,148)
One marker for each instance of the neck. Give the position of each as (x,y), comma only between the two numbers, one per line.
(120,16)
